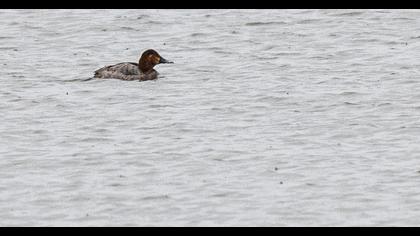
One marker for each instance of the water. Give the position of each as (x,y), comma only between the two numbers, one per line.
(267,118)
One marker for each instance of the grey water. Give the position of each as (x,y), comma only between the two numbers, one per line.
(267,118)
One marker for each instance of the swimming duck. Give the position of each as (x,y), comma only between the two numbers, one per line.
(133,71)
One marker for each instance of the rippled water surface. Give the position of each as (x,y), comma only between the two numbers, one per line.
(267,118)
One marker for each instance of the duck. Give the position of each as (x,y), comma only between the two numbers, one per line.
(134,71)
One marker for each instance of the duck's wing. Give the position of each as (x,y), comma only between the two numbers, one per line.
(125,71)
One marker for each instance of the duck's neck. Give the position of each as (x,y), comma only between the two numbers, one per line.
(145,66)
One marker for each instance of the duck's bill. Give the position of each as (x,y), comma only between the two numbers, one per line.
(163,60)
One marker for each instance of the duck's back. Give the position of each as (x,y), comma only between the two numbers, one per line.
(123,71)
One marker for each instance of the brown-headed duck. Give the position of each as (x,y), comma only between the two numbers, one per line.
(133,71)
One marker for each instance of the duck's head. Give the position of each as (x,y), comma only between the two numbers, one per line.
(149,59)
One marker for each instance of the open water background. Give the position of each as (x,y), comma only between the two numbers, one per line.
(267,118)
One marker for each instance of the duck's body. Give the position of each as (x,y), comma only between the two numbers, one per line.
(133,71)
(125,71)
